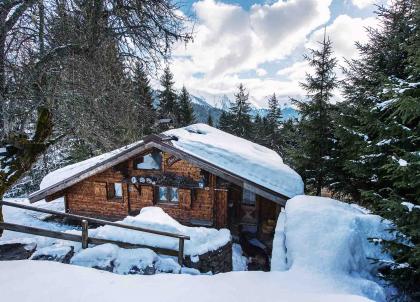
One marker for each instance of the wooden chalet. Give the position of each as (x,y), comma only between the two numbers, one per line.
(199,175)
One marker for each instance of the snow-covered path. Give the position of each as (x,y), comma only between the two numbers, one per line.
(43,281)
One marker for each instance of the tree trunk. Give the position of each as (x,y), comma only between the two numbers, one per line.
(22,152)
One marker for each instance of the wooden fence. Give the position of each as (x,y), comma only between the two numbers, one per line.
(84,238)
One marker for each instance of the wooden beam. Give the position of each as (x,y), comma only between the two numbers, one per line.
(78,238)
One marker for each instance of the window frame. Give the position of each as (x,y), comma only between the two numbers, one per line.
(169,195)
(140,159)
(111,191)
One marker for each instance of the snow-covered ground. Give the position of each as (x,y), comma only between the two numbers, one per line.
(33,281)
(321,252)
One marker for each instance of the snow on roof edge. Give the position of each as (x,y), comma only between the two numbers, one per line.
(292,182)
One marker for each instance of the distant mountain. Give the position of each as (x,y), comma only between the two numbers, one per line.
(203,108)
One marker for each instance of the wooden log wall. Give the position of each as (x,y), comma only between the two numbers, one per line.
(90,196)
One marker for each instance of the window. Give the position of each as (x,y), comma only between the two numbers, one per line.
(248,197)
(167,195)
(150,161)
(115,190)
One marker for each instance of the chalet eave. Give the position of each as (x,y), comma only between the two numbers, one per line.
(159,142)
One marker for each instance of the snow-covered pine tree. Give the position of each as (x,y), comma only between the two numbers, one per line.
(168,103)
(186,113)
(312,158)
(379,137)
(143,101)
(240,122)
(274,123)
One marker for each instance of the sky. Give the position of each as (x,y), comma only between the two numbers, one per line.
(261,44)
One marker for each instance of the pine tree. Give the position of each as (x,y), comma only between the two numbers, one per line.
(210,120)
(274,123)
(186,113)
(240,123)
(225,122)
(378,137)
(143,101)
(168,105)
(259,131)
(314,153)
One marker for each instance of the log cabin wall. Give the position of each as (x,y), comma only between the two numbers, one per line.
(90,197)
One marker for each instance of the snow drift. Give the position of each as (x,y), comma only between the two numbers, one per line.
(331,238)
(202,239)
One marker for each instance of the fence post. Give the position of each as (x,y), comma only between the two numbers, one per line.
(181,251)
(85,236)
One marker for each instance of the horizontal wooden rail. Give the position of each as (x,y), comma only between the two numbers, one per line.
(85,239)
(94,220)
(79,238)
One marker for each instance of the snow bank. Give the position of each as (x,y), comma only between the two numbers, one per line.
(239,156)
(329,237)
(40,281)
(202,239)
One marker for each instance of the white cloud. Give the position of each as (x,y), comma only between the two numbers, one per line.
(230,40)
(344,32)
(231,43)
(363,3)
(261,72)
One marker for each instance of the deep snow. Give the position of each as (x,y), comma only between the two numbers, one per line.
(320,254)
(43,281)
(201,240)
(331,238)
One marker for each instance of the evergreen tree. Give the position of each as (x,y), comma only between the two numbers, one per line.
(225,121)
(210,120)
(274,122)
(378,137)
(143,101)
(259,131)
(186,113)
(240,122)
(315,147)
(168,104)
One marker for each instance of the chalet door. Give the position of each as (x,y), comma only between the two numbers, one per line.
(248,208)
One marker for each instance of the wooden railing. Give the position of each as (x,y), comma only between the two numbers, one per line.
(85,239)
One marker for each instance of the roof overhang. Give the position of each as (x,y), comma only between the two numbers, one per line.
(163,143)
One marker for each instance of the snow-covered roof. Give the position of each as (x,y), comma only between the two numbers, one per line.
(241,158)
(69,171)
(246,159)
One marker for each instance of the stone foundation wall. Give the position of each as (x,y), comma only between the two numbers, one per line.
(218,261)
